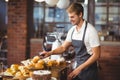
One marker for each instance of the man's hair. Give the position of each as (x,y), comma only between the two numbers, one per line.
(75,7)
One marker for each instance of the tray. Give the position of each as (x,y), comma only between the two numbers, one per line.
(52,78)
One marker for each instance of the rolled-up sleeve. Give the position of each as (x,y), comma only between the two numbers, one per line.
(93,38)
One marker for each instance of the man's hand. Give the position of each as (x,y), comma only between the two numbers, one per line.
(45,54)
(74,73)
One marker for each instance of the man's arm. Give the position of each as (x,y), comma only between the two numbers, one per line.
(94,57)
(58,50)
(62,48)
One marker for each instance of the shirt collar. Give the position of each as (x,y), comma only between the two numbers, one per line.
(81,29)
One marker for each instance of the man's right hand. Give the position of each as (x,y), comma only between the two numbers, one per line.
(45,54)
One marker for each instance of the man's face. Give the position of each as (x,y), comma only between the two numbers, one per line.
(74,18)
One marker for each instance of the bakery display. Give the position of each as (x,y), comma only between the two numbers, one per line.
(17,71)
(35,68)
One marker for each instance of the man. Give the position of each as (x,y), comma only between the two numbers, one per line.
(84,38)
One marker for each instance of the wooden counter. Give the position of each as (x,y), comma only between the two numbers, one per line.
(109,60)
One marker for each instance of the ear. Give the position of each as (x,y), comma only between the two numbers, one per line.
(80,15)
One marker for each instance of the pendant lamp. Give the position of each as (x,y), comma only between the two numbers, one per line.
(63,4)
(39,0)
(6,0)
(51,2)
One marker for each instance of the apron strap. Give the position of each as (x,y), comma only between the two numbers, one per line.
(84,31)
(72,33)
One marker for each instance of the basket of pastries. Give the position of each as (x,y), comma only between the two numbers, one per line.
(25,70)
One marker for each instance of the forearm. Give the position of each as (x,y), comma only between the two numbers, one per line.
(58,50)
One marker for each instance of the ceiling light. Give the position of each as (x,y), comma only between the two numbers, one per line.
(51,2)
(39,0)
(6,0)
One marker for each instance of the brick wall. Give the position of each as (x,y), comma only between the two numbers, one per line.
(110,63)
(16,30)
(35,47)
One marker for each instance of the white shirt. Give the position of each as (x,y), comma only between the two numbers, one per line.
(91,36)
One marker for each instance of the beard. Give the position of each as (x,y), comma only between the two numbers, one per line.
(75,22)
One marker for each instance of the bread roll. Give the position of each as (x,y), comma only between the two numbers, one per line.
(18,74)
(14,67)
(51,63)
(42,62)
(8,72)
(31,66)
(35,59)
(39,66)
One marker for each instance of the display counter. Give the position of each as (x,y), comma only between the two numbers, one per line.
(25,71)
(59,73)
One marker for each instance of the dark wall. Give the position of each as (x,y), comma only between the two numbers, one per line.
(3,10)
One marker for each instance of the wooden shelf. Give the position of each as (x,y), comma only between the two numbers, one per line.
(3,59)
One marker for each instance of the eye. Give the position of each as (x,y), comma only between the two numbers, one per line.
(71,17)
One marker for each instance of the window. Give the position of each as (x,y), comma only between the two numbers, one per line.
(50,19)
(107,19)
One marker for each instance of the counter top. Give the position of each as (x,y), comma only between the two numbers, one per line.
(109,43)
(106,43)
(36,40)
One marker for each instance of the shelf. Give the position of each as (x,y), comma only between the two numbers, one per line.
(3,59)
(105,4)
(5,50)
(100,4)
(100,23)
(114,22)
(114,4)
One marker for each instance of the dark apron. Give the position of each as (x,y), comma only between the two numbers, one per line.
(89,73)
